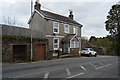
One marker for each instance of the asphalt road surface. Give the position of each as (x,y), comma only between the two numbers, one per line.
(83,67)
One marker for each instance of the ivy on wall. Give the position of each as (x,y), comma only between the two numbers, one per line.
(9,37)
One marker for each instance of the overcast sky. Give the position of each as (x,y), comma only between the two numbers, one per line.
(90,13)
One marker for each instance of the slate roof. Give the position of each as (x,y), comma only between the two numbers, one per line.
(68,38)
(20,31)
(54,16)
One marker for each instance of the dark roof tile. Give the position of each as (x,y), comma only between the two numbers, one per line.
(68,38)
(59,17)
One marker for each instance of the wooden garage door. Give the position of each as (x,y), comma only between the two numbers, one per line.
(40,52)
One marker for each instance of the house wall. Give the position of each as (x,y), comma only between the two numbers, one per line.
(50,43)
(79,32)
(38,23)
(46,27)
(50,39)
(49,28)
(74,52)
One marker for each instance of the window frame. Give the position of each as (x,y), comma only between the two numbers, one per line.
(75,30)
(55,44)
(74,44)
(65,28)
(54,27)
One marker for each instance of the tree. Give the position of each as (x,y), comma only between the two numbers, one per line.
(113,25)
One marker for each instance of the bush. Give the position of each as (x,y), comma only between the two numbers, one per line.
(49,55)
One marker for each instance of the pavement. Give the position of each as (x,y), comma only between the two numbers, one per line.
(69,68)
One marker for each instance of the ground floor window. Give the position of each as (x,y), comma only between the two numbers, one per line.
(56,43)
(74,44)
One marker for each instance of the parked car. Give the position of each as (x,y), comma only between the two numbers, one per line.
(89,52)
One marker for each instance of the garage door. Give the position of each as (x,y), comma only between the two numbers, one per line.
(40,52)
(19,52)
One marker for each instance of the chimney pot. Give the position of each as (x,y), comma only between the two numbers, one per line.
(37,5)
(71,14)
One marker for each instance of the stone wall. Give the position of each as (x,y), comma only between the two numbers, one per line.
(13,35)
(9,41)
(74,52)
(7,47)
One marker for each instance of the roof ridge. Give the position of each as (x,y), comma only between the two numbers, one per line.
(56,16)
(55,13)
(60,15)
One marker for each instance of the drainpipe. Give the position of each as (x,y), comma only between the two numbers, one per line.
(31,55)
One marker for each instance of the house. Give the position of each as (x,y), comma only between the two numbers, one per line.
(16,44)
(63,33)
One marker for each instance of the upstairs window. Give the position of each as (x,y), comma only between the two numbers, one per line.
(66,28)
(55,27)
(75,30)
(56,43)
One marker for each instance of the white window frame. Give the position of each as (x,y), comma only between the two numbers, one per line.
(55,27)
(65,28)
(75,30)
(72,45)
(55,44)
(75,44)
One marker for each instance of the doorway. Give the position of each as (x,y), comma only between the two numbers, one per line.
(19,52)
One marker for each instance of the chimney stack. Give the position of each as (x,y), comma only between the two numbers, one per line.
(71,14)
(37,5)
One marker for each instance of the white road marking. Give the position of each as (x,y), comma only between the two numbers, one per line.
(68,71)
(103,66)
(46,75)
(101,63)
(76,75)
(83,68)
(92,65)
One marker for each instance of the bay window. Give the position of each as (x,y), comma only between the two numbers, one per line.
(74,44)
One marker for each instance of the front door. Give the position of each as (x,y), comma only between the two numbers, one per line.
(66,47)
(40,52)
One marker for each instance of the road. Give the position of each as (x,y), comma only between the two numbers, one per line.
(83,67)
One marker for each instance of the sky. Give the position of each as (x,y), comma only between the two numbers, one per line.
(90,13)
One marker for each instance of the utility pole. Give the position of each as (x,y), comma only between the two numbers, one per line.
(31,31)
(80,45)
(31,7)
